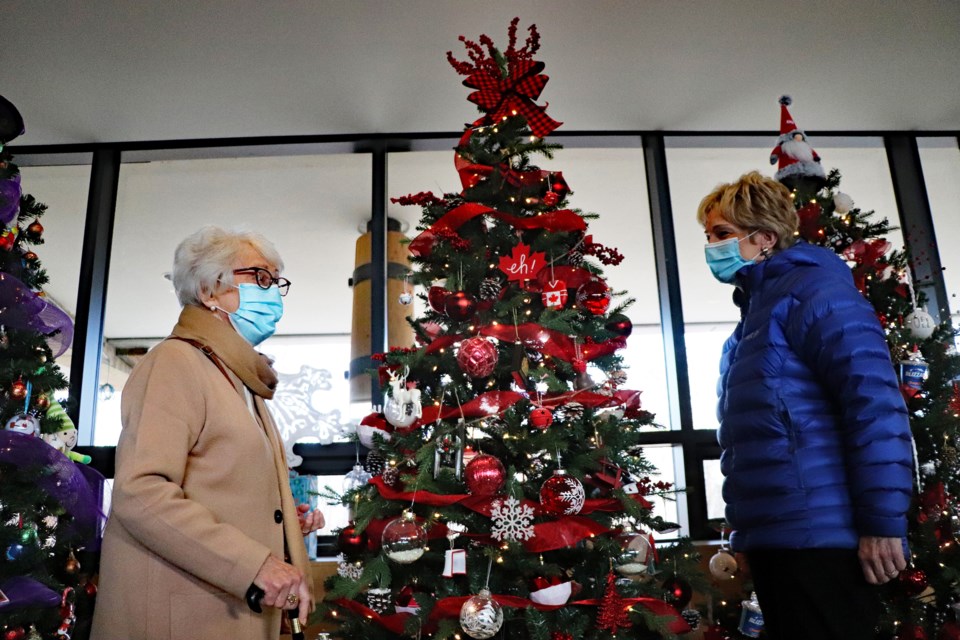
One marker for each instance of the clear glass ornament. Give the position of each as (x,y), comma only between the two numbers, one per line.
(404,540)
(481,616)
(355,478)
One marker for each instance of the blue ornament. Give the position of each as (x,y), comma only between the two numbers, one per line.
(14,552)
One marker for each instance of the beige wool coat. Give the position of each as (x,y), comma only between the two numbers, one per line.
(201,495)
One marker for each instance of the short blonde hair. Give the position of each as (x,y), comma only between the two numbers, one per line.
(203,261)
(754,201)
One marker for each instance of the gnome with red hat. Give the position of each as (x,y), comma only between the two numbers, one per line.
(798,162)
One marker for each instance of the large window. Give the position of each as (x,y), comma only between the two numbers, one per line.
(698,164)
(61,182)
(940,158)
(314,202)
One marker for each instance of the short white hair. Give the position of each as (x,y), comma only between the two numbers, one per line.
(204,261)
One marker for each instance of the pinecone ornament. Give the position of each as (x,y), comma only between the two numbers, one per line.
(376,462)
(490,288)
(575,258)
(391,476)
(573,411)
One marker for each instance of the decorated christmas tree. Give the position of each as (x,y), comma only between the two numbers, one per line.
(919,604)
(49,505)
(509,493)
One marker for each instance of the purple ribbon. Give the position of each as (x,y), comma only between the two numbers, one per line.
(23,592)
(21,309)
(78,488)
(9,201)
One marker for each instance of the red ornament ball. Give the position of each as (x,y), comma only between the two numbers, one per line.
(485,475)
(620,325)
(541,418)
(351,543)
(913,580)
(460,306)
(550,198)
(562,494)
(677,592)
(90,589)
(15,634)
(35,229)
(594,296)
(912,632)
(949,631)
(579,365)
(477,357)
(18,390)
(716,631)
(436,296)
(30,256)
(42,402)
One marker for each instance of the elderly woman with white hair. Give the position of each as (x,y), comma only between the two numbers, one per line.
(204,529)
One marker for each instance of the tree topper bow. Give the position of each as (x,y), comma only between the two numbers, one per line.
(507,83)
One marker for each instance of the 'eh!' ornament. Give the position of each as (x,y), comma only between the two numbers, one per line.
(920,324)
(554,294)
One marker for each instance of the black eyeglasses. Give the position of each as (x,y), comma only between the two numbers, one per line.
(265,279)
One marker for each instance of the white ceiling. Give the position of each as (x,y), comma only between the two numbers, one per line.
(112,70)
(121,70)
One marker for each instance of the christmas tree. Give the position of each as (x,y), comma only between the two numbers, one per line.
(919,604)
(49,506)
(509,492)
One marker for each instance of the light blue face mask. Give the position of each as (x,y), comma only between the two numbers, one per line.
(259,311)
(724,258)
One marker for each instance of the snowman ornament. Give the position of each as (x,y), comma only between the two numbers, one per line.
(24,423)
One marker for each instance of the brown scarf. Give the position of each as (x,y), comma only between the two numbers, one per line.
(252,367)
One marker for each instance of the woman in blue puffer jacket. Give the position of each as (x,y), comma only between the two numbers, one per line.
(817,453)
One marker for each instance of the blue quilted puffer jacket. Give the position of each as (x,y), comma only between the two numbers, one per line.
(816,442)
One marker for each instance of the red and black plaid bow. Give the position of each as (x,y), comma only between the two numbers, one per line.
(513,95)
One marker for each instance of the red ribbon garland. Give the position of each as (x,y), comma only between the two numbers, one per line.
(450,608)
(494,403)
(552,343)
(560,220)
(484,504)
(515,94)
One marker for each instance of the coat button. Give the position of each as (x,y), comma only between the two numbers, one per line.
(278,516)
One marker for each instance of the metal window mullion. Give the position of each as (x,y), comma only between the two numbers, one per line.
(92,292)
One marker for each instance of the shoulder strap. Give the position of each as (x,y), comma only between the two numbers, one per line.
(207,351)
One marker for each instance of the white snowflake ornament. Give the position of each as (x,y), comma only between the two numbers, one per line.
(347,569)
(511,520)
